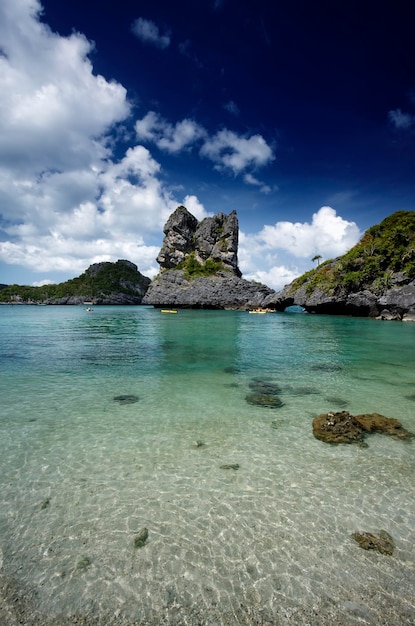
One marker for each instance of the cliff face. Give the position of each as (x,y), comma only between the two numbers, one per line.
(173,289)
(214,238)
(375,278)
(199,265)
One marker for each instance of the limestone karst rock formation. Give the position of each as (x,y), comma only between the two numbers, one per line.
(199,265)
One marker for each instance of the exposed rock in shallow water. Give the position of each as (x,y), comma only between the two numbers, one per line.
(376,423)
(341,427)
(383,542)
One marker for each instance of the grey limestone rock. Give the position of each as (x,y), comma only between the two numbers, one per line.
(179,232)
(172,289)
(213,239)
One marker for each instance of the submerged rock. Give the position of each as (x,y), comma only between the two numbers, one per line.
(264,387)
(340,402)
(326,367)
(126,399)
(295,390)
(376,423)
(383,542)
(141,538)
(342,427)
(264,399)
(83,563)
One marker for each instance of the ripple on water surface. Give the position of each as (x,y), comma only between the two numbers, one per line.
(249,518)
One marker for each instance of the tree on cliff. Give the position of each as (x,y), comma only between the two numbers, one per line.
(317,258)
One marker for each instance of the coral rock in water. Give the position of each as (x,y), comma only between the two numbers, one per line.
(341,427)
(383,542)
(141,538)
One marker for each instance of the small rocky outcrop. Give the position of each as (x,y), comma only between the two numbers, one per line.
(342,427)
(199,266)
(339,427)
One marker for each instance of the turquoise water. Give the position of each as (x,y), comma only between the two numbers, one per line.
(82,473)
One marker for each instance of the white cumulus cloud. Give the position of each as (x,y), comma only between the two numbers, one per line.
(230,151)
(66,200)
(171,138)
(49,95)
(328,234)
(275,277)
(279,253)
(226,149)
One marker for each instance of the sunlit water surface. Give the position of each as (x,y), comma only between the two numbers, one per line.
(81,473)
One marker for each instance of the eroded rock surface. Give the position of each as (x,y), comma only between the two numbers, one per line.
(383,542)
(342,427)
(191,247)
(213,238)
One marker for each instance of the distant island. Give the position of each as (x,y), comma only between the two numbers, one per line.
(101,283)
(199,269)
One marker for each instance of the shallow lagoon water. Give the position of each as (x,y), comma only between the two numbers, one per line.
(267,543)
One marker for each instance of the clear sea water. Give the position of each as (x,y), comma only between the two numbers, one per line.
(81,473)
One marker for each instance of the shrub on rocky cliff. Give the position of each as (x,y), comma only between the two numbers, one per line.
(192,268)
(385,251)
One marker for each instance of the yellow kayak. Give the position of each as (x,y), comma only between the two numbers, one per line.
(168,311)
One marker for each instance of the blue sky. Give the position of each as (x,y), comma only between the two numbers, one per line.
(299,115)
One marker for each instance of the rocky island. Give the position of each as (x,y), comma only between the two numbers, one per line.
(376,278)
(199,269)
(101,283)
(199,266)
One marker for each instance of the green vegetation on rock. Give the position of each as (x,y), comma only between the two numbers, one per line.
(99,280)
(193,269)
(384,250)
